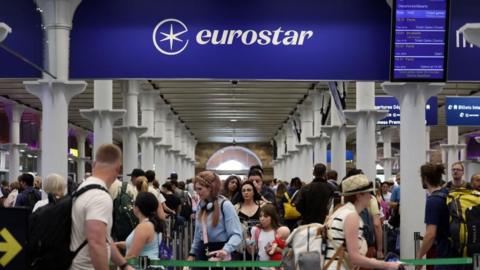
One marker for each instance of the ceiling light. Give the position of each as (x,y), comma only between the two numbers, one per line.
(233,120)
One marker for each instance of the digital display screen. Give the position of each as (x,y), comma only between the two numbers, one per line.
(419,41)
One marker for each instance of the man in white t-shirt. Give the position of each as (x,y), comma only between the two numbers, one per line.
(92,215)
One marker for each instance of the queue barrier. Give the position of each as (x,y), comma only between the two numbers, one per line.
(146,263)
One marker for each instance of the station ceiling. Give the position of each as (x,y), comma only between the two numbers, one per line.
(208,106)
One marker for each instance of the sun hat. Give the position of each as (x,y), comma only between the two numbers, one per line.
(356,184)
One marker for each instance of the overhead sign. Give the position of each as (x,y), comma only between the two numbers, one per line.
(348,156)
(13,238)
(419,43)
(462,111)
(464,58)
(25,39)
(236,39)
(393,119)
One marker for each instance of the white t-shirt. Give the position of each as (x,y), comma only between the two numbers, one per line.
(387,196)
(263,240)
(39,204)
(116,187)
(94,204)
(160,197)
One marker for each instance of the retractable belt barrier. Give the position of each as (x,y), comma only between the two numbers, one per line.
(145,263)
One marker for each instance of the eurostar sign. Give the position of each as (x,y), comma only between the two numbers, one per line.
(234,39)
(169,37)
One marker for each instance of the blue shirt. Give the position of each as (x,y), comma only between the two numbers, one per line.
(22,198)
(150,249)
(395,195)
(227,230)
(436,213)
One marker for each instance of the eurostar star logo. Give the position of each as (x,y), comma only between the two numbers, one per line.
(167,37)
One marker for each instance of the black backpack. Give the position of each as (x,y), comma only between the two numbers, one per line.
(32,199)
(186,210)
(124,221)
(50,229)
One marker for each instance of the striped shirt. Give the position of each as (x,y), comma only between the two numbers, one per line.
(336,234)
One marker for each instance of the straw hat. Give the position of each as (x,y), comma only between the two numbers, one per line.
(356,184)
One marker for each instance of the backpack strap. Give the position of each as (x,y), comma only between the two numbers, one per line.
(124,188)
(439,193)
(87,188)
(77,194)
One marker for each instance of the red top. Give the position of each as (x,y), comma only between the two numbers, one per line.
(277,256)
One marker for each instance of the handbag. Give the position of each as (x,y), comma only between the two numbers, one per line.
(205,243)
(291,213)
(309,259)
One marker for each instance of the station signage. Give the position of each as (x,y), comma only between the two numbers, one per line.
(419,42)
(463,57)
(393,119)
(25,39)
(462,111)
(13,238)
(236,39)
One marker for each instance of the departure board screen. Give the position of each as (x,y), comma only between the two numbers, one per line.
(419,40)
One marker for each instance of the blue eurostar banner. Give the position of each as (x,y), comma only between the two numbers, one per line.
(462,111)
(393,118)
(234,39)
(463,57)
(25,39)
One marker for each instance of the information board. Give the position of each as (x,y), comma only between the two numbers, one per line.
(393,119)
(419,40)
(462,111)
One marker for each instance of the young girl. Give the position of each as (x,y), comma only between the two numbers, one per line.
(264,235)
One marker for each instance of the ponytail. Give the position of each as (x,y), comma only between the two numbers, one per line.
(158,224)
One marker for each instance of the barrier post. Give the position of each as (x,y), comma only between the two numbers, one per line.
(416,239)
(476,261)
(385,239)
(143,262)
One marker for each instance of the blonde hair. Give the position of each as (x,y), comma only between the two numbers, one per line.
(55,184)
(142,184)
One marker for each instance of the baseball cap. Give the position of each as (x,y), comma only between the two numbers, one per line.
(136,173)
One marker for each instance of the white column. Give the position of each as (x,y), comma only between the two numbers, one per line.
(292,151)
(103,116)
(177,145)
(306,148)
(366,117)
(161,111)
(130,129)
(81,135)
(55,94)
(338,136)
(14,113)
(147,140)
(412,98)
(170,138)
(387,152)
(319,139)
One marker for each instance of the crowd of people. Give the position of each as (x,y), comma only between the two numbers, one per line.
(239,219)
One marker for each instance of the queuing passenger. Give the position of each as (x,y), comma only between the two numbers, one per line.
(256,177)
(54,187)
(231,188)
(141,184)
(395,204)
(475,181)
(248,211)
(385,191)
(145,239)
(92,215)
(29,195)
(150,175)
(173,202)
(216,217)
(292,191)
(436,213)
(313,199)
(279,198)
(264,235)
(133,179)
(12,196)
(345,227)
(457,177)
